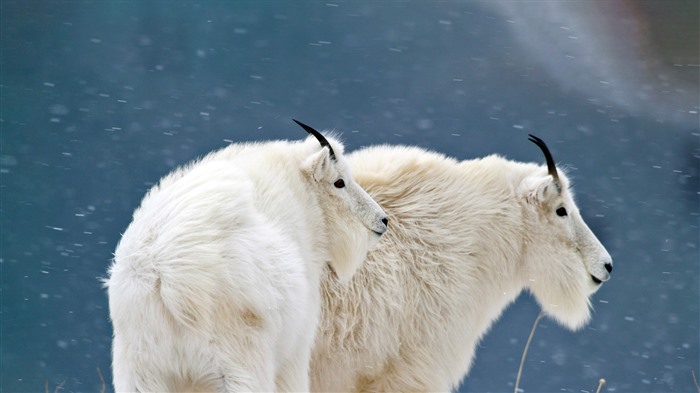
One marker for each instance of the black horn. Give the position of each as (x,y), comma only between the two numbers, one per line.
(551,167)
(321,139)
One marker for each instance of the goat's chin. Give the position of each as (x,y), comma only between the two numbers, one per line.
(349,249)
(570,307)
(573,319)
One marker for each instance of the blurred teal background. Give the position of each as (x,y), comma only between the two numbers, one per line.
(99,99)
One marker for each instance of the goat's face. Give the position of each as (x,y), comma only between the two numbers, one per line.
(354,221)
(564,261)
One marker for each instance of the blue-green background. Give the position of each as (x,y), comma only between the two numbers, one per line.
(100,99)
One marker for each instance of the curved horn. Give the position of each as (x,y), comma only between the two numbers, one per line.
(551,167)
(321,139)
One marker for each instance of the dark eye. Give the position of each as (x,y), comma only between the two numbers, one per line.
(339,183)
(561,212)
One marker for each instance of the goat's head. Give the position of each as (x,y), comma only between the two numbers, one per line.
(564,261)
(354,221)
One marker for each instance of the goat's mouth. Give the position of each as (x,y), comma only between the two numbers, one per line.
(598,280)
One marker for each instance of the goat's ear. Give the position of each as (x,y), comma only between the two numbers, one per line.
(539,190)
(318,165)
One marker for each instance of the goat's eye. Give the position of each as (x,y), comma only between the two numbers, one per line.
(339,183)
(561,212)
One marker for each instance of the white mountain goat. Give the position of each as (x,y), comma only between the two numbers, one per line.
(465,239)
(215,283)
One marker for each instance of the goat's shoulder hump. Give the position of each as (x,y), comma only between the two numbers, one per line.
(395,161)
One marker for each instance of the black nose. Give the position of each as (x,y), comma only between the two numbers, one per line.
(608,267)
(386,222)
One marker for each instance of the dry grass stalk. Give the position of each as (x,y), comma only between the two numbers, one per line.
(104,386)
(59,387)
(527,346)
(601,382)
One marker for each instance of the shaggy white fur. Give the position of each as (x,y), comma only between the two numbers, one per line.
(215,283)
(465,239)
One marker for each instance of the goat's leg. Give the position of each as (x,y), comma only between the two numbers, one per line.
(294,376)
(246,364)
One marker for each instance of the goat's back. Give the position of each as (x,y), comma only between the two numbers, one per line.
(407,312)
(197,270)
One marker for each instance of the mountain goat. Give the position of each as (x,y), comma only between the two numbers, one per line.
(215,283)
(466,238)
